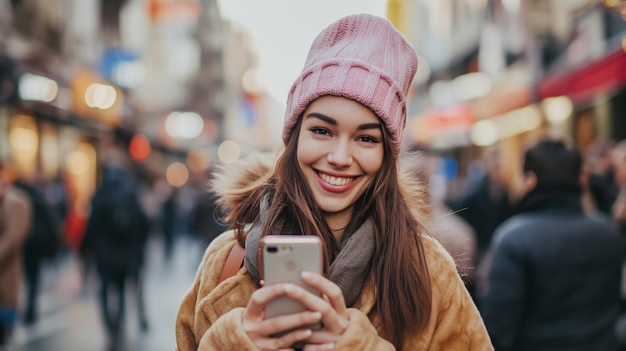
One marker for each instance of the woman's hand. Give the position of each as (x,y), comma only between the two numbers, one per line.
(260,330)
(332,306)
(330,309)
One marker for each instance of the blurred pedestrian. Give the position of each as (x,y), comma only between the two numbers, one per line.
(116,234)
(484,205)
(170,222)
(15,222)
(554,271)
(57,195)
(601,175)
(387,285)
(618,209)
(618,215)
(42,243)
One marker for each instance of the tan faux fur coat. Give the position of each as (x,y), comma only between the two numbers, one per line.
(210,314)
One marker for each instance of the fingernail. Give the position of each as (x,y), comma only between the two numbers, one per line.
(305,274)
(329,346)
(288,287)
(307,333)
(316,315)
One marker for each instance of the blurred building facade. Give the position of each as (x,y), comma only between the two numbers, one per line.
(173,84)
(496,74)
(144,82)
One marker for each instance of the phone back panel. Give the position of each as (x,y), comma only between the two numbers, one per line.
(284,258)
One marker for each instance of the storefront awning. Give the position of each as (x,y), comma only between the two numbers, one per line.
(604,75)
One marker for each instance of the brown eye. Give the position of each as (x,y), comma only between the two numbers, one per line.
(320,131)
(367,139)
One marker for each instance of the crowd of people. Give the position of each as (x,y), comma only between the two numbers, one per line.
(30,224)
(124,213)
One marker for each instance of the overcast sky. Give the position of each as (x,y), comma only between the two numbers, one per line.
(285,29)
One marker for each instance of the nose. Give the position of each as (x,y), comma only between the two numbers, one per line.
(340,155)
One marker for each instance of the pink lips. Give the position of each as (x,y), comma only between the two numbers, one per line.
(335,188)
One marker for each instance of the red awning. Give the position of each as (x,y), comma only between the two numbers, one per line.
(604,75)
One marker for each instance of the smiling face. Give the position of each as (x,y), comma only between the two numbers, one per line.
(340,150)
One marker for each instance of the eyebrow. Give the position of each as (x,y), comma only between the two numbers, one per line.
(333,121)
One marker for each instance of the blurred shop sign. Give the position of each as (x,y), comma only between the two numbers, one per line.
(160,10)
(583,83)
(443,127)
(512,91)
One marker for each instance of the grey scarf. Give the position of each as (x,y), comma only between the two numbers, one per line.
(348,270)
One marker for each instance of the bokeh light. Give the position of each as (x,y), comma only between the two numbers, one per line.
(100,96)
(37,88)
(229,152)
(184,125)
(139,147)
(484,133)
(177,174)
(557,109)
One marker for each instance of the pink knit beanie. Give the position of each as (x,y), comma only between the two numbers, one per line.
(363,58)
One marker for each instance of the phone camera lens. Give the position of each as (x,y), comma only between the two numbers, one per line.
(272,249)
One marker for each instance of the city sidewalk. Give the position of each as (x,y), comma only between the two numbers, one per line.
(69,315)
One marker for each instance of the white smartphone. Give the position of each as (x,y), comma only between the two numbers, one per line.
(284,258)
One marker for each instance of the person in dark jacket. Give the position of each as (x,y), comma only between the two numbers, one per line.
(116,234)
(554,272)
(42,243)
(170,222)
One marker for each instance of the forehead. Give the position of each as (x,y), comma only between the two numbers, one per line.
(342,109)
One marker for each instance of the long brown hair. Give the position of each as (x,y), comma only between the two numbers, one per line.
(403,290)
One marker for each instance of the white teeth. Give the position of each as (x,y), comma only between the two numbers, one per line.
(335,180)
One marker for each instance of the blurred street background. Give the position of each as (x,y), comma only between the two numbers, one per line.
(69,315)
(153,94)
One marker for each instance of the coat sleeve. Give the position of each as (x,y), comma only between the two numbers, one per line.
(361,335)
(457,324)
(185,318)
(194,331)
(16,223)
(227,334)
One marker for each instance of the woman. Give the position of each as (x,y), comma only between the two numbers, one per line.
(387,285)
